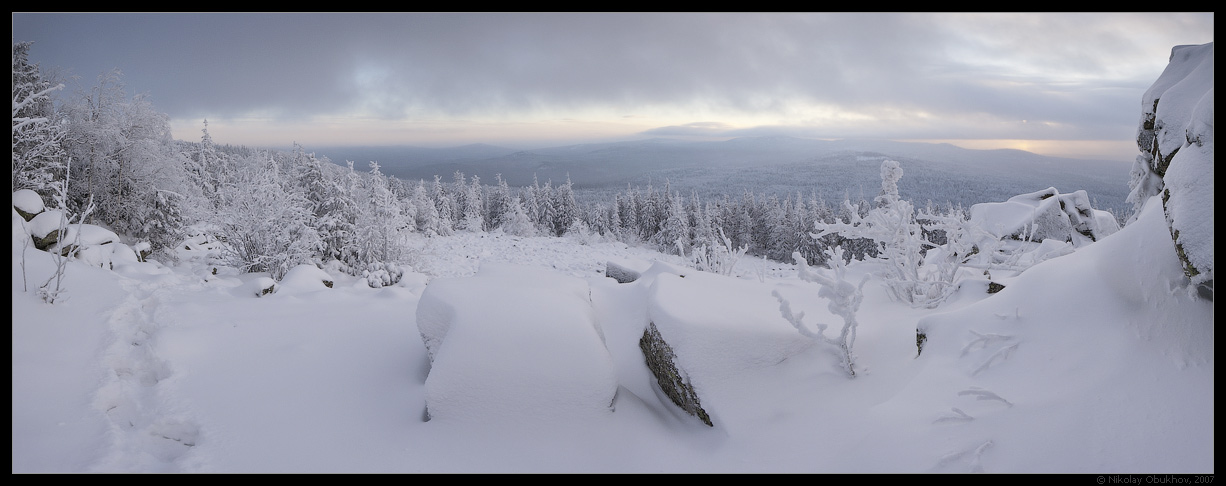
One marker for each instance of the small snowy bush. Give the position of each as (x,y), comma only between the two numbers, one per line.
(379,274)
(844,298)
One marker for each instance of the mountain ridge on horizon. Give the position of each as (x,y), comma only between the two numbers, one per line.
(772,164)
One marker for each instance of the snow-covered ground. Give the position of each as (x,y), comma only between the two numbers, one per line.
(1097,361)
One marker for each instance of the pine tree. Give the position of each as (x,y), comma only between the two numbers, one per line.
(445,205)
(428,220)
(674,232)
(566,210)
(517,222)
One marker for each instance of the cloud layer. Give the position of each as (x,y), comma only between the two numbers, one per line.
(413,76)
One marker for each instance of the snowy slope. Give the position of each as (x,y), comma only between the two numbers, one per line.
(1095,361)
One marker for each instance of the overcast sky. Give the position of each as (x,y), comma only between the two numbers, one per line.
(1059,84)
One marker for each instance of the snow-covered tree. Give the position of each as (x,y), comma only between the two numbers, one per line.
(38,154)
(265,228)
(674,234)
(498,204)
(899,243)
(474,206)
(379,226)
(517,221)
(428,220)
(565,209)
(445,205)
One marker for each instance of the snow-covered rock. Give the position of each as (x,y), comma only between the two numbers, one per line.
(1175,137)
(91,244)
(305,278)
(620,273)
(44,228)
(255,286)
(27,203)
(1043,215)
(511,343)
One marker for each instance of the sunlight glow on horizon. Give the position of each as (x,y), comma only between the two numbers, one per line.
(354,131)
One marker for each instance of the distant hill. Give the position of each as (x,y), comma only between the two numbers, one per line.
(773,165)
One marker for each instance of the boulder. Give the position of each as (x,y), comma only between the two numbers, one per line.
(1043,215)
(674,382)
(1175,138)
(27,203)
(619,273)
(45,228)
(305,278)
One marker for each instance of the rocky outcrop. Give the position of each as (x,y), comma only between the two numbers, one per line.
(1046,215)
(1175,138)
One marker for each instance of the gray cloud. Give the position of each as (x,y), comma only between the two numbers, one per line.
(1082,73)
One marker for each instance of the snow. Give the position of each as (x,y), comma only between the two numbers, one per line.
(513,344)
(499,353)
(1043,215)
(1185,123)
(46,222)
(1179,90)
(1093,361)
(28,201)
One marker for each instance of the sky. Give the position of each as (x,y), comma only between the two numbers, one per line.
(1066,84)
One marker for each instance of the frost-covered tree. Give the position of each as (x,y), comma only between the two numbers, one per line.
(38,155)
(265,228)
(208,168)
(899,243)
(126,162)
(474,206)
(498,204)
(331,203)
(427,217)
(445,205)
(379,226)
(674,234)
(517,221)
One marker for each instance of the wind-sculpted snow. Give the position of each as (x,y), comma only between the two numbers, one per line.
(514,343)
(1007,351)
(722,331)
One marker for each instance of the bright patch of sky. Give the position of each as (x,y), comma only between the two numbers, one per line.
(531,78)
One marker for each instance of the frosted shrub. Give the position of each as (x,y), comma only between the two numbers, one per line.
(380,274)
(901,243)
(844,298)
(582,233)
(719,259)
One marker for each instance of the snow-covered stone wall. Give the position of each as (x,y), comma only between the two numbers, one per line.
(1175,137)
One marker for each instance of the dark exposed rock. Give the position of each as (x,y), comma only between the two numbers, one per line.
(674,382)
(619,273)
